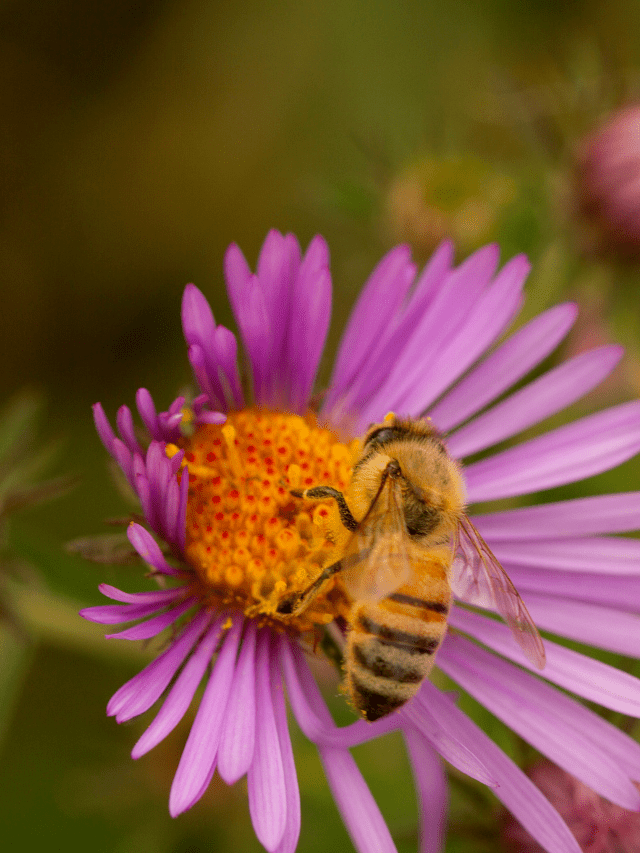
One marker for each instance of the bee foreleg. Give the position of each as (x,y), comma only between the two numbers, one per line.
(296,603)
(320,492)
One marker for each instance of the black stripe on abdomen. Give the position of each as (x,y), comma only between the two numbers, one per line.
(435,606)
(372,703)
(413,643)
(374,662)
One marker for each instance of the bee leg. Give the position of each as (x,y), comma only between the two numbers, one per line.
(296,603)
(320,492)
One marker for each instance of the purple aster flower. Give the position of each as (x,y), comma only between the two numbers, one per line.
(214,485)
(607,184)
(599,826)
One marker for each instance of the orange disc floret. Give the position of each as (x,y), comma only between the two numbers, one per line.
(251,542)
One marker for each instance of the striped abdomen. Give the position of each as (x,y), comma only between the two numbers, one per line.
(392,643)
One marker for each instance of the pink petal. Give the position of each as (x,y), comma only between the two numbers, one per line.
(180,696)
(441,733)
(360,813)
(564,455)
(575,672)
(291,833)
(197,763)
(528,706)
(140,692)
(516,790)
(504,367)
(239,729)
(147,547)
(605,555)
(550,393)
(152,627)
(604,627)
(265,779)
(160,597)
(583,516)
(432,789)
(491,314)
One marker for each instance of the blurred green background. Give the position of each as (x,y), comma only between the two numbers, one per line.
(137,141)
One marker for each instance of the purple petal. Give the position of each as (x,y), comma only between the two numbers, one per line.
(453,304)
(198,324)
(147,411)
(604,627)
(432,789)
(606,555)
(601,514)
(140,692)
(619,591)
(528,706)
(147,547)
(306,700)
(379,300)
(360,813)
(582,675)
(103,428)
(504,367)
(547,395)
(348,396)
(160,597)
(124,422)
(152,627)
(292,827)
(179,697)
(115,614)
(239,729)
(198,362)
(265,779)
(308,339)
(442,735)
(197,763)
(564,455)
(491,314)
(517,791)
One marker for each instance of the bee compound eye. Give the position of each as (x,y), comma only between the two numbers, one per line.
(382,436)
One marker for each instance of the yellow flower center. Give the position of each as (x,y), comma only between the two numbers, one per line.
(249,540)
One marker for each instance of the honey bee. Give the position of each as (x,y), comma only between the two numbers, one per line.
(410,544)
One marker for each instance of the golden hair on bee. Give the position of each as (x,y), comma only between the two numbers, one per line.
(409,544)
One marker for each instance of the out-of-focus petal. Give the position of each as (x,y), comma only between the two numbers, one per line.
(528,706)
(432,789)
(516,791)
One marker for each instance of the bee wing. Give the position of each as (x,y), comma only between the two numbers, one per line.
(479,579)
(377,560)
